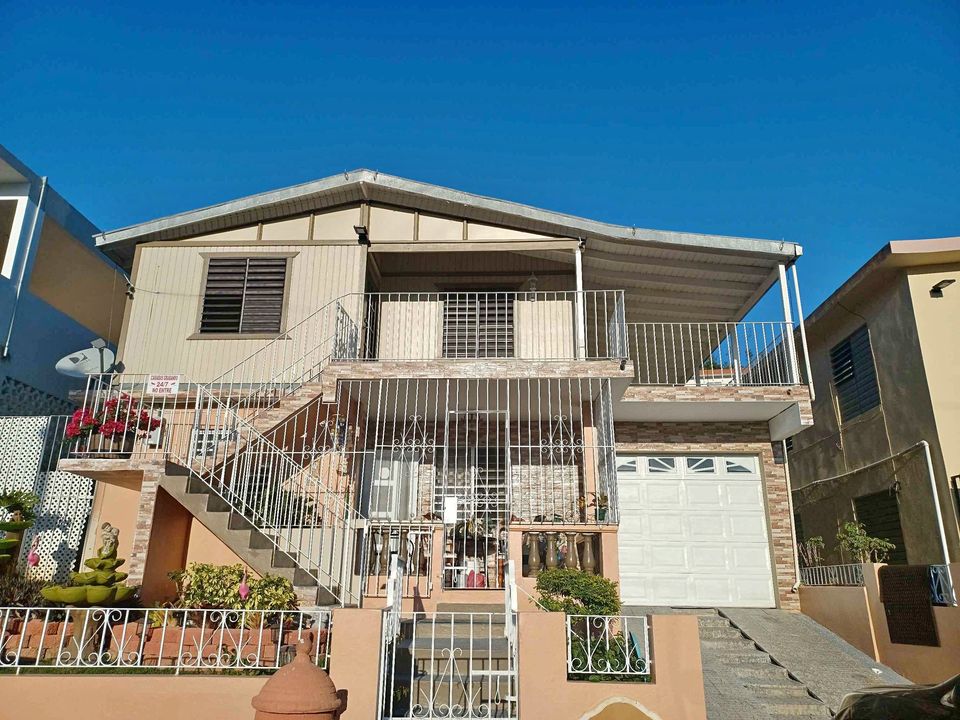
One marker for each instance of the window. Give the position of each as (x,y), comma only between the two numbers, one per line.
(854,375)
(244,295)
(478,325)
(880,515)
(701,465)
(661,465)
(741,465)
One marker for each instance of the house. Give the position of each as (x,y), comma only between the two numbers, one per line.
(57,291)
(410,400)
(883,448)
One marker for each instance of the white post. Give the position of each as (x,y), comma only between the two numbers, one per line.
(788,319)
(581,310)
(803,333)
(936,503)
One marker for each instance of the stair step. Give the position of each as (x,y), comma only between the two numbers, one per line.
(766,672)
(730,645)
(786,689)
(720,633)
(744,658)
(712,621)
(797,707)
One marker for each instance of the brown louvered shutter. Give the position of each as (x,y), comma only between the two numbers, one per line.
(244,295)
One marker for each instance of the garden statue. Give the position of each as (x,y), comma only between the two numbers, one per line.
(102,585)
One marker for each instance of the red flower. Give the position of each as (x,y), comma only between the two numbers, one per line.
(113,428)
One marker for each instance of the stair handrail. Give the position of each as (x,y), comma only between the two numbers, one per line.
(290,359)
(350,517)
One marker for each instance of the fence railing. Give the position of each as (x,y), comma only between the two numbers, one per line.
(611,647)
(850,574)
(162,639)
(942,591)
(713,354)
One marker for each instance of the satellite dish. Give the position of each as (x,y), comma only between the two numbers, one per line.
(91,361)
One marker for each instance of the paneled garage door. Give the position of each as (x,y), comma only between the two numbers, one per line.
(693,532)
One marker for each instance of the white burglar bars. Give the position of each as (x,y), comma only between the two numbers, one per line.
(941,586)
(715,353)
(176,640)
(608,647)
(850,574)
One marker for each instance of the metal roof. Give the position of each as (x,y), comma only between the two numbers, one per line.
(669,275)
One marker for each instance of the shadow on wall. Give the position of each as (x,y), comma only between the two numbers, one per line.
(620,708)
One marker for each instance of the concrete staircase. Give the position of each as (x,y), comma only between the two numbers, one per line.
(253,546)
(771,689)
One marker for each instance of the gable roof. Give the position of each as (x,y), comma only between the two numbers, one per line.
(723,275)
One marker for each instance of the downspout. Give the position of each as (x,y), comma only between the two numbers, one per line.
(793,525)
(936,502)
(23,266)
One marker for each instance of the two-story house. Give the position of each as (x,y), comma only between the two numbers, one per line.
(327,375)
(883,450)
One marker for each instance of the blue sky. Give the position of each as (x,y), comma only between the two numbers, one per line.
(836,125)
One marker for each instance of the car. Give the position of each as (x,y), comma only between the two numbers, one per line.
(903,702)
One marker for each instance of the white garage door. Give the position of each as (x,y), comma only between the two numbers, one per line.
(693,532)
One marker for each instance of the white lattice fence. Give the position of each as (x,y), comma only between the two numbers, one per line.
(29,449)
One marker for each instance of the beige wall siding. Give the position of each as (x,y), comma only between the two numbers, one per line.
(165,310)
(78,282)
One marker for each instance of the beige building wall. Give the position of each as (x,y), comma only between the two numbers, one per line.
(164,314)
(78,282)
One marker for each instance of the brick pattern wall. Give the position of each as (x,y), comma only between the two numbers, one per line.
(729,438)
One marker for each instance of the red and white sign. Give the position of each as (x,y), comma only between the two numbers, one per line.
(163,384)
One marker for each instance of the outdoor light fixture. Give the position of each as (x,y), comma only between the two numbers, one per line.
(937,290)
(362,235)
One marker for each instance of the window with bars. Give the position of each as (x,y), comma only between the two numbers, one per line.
(244,295)
(478,325)
(854,375)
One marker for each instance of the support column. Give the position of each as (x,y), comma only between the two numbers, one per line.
(792,367)
(581,310)
(803,332)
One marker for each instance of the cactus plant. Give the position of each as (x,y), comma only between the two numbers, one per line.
(102,585)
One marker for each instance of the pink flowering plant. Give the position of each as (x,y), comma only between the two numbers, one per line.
(116,419)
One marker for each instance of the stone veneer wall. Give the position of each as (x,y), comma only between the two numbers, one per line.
(729,438)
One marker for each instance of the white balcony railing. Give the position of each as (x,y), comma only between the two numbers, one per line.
(713,354)
(162,639)
(851,575)
(611,647)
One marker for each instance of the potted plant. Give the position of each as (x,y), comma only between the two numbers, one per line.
(20,507)
(116,426)
(601,502)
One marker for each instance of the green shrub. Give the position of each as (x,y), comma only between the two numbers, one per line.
(853,539)
(574,592)
(20,501)
(203,585)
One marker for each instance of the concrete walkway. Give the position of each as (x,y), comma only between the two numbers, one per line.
(828,665)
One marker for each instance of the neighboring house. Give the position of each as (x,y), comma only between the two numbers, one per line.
(366,366)
(57,291)
(883,351)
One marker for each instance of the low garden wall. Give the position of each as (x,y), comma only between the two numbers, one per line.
(857,615)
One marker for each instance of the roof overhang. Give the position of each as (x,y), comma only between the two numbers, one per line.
(673,275)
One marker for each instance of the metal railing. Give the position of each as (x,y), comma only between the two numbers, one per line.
(412,544)
(608,647)
(713,354)
(552,325)
(443,665)
(850,574)
(162,639)
(942,591)
(262,482)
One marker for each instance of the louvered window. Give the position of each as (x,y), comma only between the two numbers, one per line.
(880,515)
(244,295)
(854,375)
(478,325)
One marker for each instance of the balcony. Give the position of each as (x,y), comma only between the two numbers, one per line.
(716,371)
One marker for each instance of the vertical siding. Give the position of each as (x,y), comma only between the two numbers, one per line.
(169,292)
